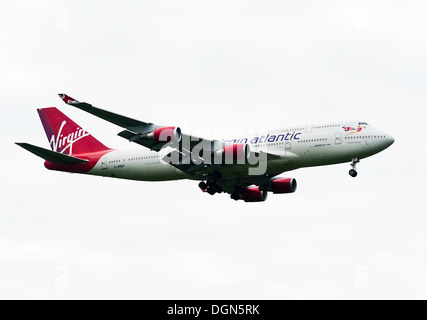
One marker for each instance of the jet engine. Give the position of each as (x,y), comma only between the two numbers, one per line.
(282,185)
(254,194)
(165,134)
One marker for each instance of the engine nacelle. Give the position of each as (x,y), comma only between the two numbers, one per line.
(165,134)
(254,195)
(282,185)
(234,153)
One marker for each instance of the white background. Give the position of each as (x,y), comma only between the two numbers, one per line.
(215,68)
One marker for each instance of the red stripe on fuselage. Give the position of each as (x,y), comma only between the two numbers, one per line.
(79,168)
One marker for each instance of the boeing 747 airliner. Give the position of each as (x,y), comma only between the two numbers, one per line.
(247,168)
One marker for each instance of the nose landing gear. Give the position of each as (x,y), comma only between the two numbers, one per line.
(353,171)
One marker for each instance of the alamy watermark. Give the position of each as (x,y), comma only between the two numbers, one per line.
(62,17)
(194,151)
(62,278)
(362,279)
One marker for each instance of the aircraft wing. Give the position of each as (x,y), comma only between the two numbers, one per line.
(122,121)
(136,131)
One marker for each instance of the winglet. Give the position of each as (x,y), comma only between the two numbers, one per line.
(67,99)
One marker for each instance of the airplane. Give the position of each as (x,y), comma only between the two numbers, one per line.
(247,168)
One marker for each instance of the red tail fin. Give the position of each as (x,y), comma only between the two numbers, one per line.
(65,136)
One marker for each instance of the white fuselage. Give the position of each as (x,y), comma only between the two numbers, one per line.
(295,147)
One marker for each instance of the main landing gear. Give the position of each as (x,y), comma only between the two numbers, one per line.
(211,185)
(353,171)
(235,196)
(237,192)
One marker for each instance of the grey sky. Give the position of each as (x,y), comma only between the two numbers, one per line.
(215,68)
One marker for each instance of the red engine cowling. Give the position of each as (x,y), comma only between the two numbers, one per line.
(165,134)
(234,153)
(282,185)
(254,195)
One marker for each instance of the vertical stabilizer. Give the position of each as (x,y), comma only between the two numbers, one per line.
(65,136)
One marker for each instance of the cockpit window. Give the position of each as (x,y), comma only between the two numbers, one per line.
(363,124)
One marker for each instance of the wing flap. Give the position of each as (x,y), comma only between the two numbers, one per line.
(52,156)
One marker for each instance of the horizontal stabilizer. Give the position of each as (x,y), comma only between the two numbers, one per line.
(52,156)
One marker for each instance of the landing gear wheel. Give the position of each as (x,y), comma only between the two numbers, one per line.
(203,186)
(210,183)
(235,196)
(218,189)
(353,171)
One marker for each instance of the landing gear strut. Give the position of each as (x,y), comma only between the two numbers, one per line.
(235,196)
(203,186)
(211,185)
(237,192)
(353,171)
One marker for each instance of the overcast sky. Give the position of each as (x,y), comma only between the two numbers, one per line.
(215,68)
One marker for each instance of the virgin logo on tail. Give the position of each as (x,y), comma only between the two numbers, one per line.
(61,143)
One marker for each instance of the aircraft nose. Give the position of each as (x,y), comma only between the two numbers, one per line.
(390,140)
(385,140)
